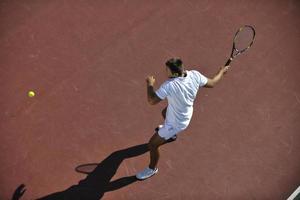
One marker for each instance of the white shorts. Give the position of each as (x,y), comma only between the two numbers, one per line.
(167,131)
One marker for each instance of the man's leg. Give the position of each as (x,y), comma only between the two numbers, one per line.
(153,146)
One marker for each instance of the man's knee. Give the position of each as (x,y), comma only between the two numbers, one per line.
(154,144)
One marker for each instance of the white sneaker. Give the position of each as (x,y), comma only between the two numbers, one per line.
(146,173)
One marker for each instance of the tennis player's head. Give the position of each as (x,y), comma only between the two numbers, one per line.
(174,67)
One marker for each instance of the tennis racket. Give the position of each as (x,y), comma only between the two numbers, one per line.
(242,41)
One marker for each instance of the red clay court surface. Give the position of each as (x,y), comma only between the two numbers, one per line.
(87,62)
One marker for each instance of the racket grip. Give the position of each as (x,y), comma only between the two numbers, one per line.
(228,61)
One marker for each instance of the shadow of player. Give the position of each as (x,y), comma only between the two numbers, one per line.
(98,181)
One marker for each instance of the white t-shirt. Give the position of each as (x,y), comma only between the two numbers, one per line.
(181,93)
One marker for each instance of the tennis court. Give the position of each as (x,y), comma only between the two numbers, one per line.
(87,62)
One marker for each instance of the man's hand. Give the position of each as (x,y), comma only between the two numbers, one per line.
(212,82)
(150,80)
(224,69)
(152,97)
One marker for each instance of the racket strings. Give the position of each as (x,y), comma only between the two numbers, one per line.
(244,39)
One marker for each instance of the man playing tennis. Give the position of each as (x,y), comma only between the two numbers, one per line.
(180,90)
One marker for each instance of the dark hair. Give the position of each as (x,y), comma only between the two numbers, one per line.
(175,65)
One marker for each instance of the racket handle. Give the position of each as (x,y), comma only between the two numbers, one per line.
(228,61)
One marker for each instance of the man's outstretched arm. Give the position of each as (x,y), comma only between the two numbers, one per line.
(152,97)
(213,81)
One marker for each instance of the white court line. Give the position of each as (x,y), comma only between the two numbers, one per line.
(297,191)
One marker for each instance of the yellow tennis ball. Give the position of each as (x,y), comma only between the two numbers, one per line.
(31,94)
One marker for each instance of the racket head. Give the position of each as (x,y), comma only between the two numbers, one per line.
(243,39)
